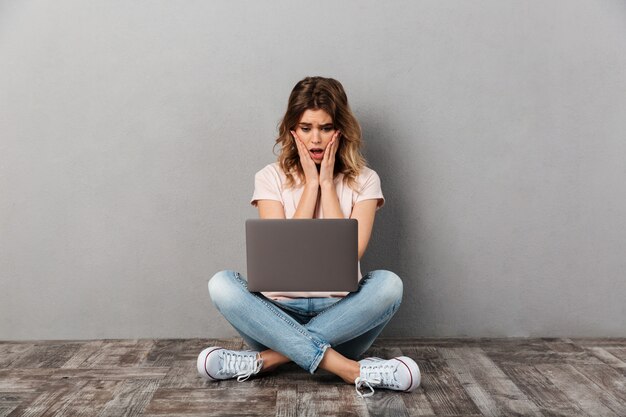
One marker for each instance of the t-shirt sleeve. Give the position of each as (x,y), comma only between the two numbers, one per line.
(371,189)
(266,186)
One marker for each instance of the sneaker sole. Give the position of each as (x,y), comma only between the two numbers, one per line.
(201,362)
(414,371)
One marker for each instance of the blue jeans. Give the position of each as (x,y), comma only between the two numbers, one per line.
(303,328)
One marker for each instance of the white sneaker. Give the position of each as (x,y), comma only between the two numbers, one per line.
(401,373)
(218,363)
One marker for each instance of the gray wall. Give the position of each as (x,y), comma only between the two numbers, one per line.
(131,131)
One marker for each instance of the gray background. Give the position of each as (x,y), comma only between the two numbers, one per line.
(131,132)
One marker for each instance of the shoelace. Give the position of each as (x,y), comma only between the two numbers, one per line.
(380,375)
(358,382)
(241,365)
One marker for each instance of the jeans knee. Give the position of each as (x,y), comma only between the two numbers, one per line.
(220,287)
(391,287)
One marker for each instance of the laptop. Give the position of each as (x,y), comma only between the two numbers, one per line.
(302,254)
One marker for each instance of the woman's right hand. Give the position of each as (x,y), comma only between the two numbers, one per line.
(308,165)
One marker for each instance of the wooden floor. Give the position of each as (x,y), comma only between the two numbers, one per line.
(464,377)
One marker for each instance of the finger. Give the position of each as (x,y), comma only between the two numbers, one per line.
(297,140)
(303,154)
(328,160)
(333,147)
(331,153)
(302,150)
(327,150)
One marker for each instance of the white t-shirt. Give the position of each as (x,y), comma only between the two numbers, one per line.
(269,184)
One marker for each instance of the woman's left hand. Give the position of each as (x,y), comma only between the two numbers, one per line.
(328,163)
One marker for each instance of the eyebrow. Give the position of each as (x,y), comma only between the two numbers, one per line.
(309,124)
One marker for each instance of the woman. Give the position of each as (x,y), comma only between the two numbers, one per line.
(320,173)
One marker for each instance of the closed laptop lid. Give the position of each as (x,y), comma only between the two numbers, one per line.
(302,254)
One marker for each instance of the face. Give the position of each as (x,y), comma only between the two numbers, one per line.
(315,129)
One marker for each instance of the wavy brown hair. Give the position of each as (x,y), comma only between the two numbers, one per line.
(327,94)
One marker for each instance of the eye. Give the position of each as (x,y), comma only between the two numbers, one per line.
(328,128)
(305,129)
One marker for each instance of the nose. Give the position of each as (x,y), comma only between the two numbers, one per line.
(316,137)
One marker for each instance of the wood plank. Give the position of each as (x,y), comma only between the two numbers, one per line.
(37,376)
(112,373)
(292,374)
(46,355)
(12,382)
(213,402)
(349,400)
(475,391)
(287,401)
(119,353)
(386,404)
(316,400)
(600,341)
(86,401)
(618,352)
(69,391)
(440,392)
(10,401)
(41,403)
(564,345)
(608,379)
(7,408)
(535,351)
(608,358)
(130,398)
(83,353)
(288,375)
(10,352)
(549,399)
(164,352)
(587,396)
(183,374)
(490,389)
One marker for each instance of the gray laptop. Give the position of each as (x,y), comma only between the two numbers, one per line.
(302,254)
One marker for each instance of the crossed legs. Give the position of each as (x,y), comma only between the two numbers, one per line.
(359,317)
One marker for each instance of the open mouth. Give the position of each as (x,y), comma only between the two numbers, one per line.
(317,153)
